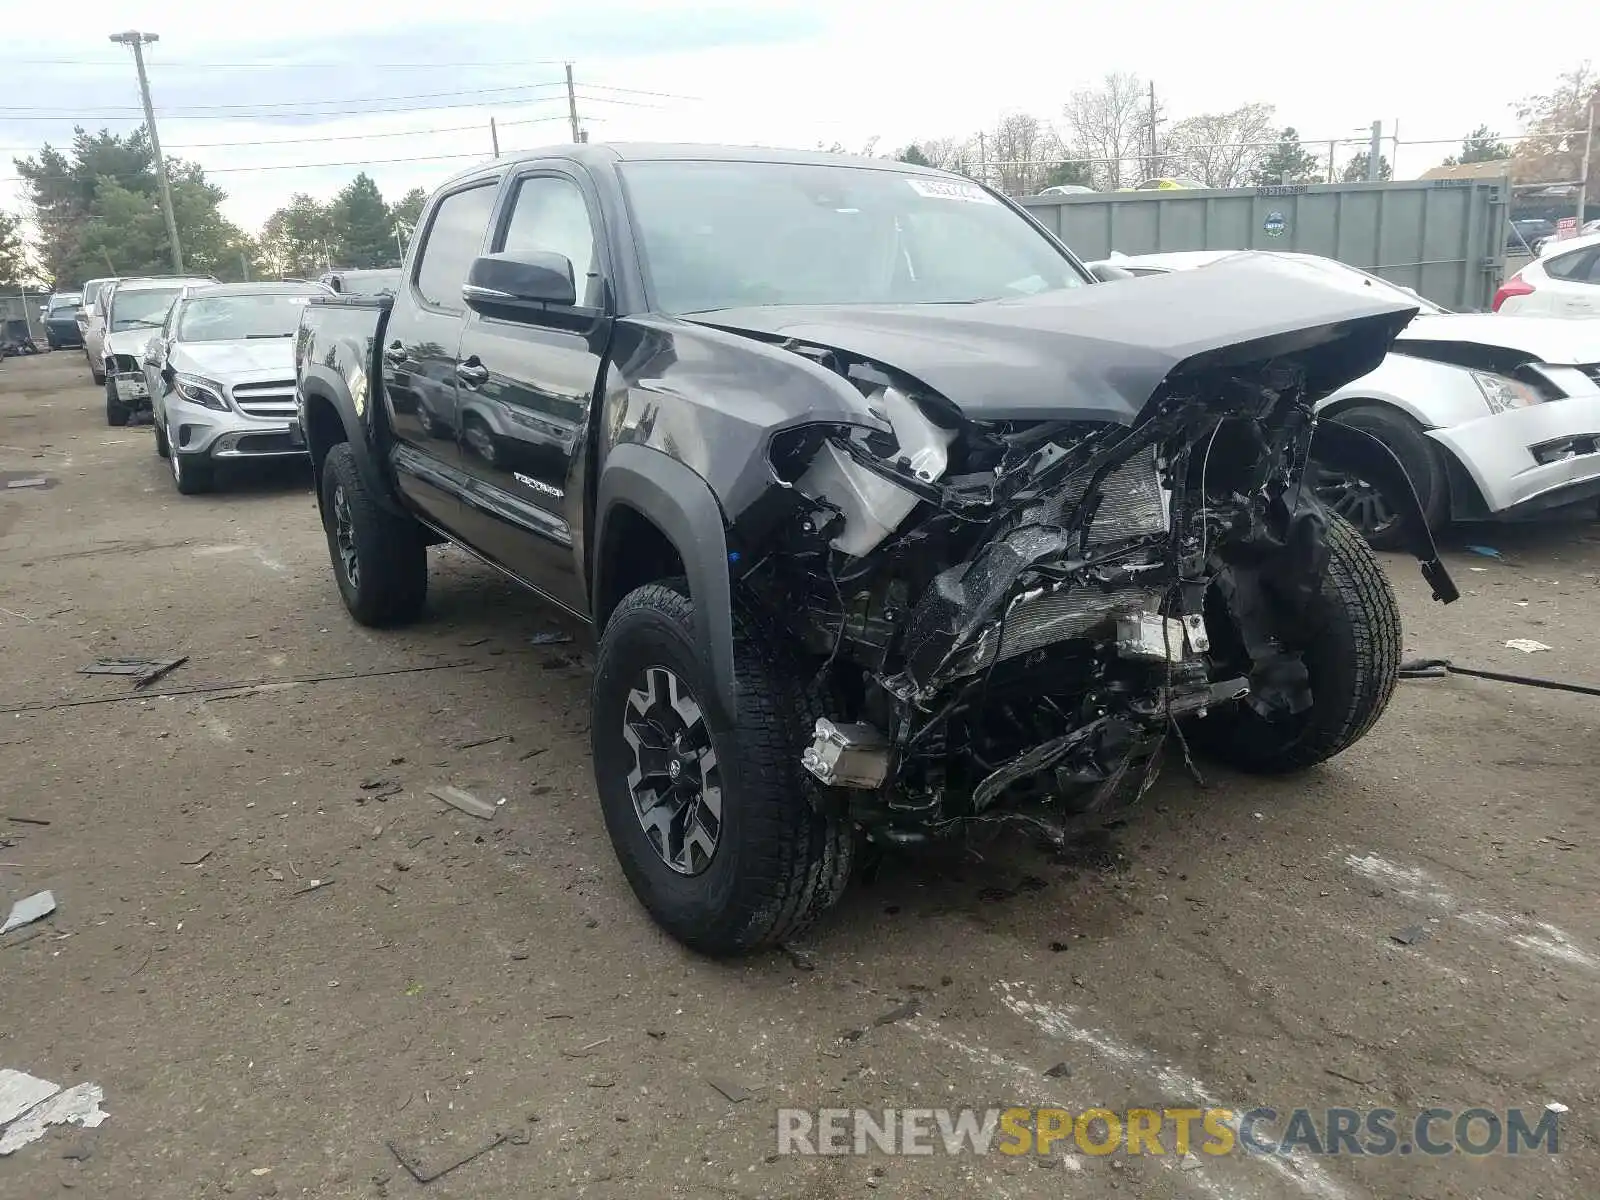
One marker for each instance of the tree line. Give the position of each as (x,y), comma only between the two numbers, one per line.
(96,206)
(1117,134)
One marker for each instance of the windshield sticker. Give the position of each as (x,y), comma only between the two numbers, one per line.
(950,189)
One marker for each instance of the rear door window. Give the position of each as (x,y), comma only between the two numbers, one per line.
(454,238)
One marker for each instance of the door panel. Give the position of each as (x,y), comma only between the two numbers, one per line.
(419,352)
(525,384)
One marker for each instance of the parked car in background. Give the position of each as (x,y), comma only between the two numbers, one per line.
(61,329)
(92,324)
(1562,282)
(1525,234)
(220,374)
(375,282)
(135,309)
(1491,418)
(1067,189)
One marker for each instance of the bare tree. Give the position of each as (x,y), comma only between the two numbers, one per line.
(1223,149)
(1110,123)
(1023,149)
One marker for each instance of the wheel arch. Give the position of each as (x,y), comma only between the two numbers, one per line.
(645,494)
(327,418)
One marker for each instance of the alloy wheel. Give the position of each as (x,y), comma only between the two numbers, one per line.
(675,782)
(1356,500)
(344,532)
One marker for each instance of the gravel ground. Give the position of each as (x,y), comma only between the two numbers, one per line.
(458,980)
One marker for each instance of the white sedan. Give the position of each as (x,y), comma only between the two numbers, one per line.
(1564,281)
(1492,419)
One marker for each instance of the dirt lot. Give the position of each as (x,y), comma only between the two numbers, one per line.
(459,980)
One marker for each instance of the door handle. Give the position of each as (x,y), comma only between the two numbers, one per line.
(472,372)
(394,354)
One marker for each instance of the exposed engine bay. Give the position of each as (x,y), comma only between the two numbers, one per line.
(1013,610)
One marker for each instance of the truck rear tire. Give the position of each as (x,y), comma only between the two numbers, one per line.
(1350,643)
(379,559)
(715,831)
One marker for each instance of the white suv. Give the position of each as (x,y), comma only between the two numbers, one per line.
(1564,281)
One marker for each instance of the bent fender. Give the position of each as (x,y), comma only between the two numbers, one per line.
(1356,451)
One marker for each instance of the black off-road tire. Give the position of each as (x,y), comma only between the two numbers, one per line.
(163,447)
(390,585)
(116,410)
(779,864)
(1422,458)
(1351,646)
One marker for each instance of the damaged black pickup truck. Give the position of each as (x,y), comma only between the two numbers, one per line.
(889,516)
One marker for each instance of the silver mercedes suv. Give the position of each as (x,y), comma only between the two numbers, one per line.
(221,377)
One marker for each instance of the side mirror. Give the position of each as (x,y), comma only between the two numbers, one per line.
(520,278)
(1107,272)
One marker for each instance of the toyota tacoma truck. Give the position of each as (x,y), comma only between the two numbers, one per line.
(888,515)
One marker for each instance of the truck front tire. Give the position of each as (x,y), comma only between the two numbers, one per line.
(379,560)
(714,830)
(1350,643)
(116,410)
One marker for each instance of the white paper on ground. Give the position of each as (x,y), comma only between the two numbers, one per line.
(20,1091)
(78,1105)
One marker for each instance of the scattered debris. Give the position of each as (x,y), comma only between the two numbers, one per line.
(1526,645)
(31,481)
(1411,935)
(600,1080)
(586,1051)
(372,785)
(1060,1071)
(412,1162)
(29,1106)
(1486,552)
(259,1171)
(384,887)
(28,820)
(275,875)
(801,960)
(550,638)
(28,910)
(735,1093)
(474,642)
(464,801)
(195,862)
(473,745)
(534,753)
(658,1034)
(143,671)
(901,1012)
(314,885)
(1347,1078)
(1555,1106)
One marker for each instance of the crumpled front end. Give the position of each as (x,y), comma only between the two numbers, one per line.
(1011,610)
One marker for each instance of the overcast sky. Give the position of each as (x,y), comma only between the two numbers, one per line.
(309,74)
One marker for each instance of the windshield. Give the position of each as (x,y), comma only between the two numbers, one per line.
(726,234)
(59,304)
(145,308)
(91,291)
(238,318)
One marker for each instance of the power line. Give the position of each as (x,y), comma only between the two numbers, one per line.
(526,101)
(282,65)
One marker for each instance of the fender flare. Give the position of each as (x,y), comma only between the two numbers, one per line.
(681,504)
(1347,448)
(331,389)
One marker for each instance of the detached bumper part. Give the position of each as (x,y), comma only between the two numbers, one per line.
(854,756)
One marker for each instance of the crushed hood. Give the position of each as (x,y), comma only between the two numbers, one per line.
(226,361)
(1099,352)
(129,341)
(1564,343)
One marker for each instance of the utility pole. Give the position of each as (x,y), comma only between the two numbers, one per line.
(494,137)
(1375,152)
(572,105)
(1583,176)
(1332,147)
(1154,166)
(983,157)
(136,41)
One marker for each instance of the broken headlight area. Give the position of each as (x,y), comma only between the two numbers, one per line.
(1012,611)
